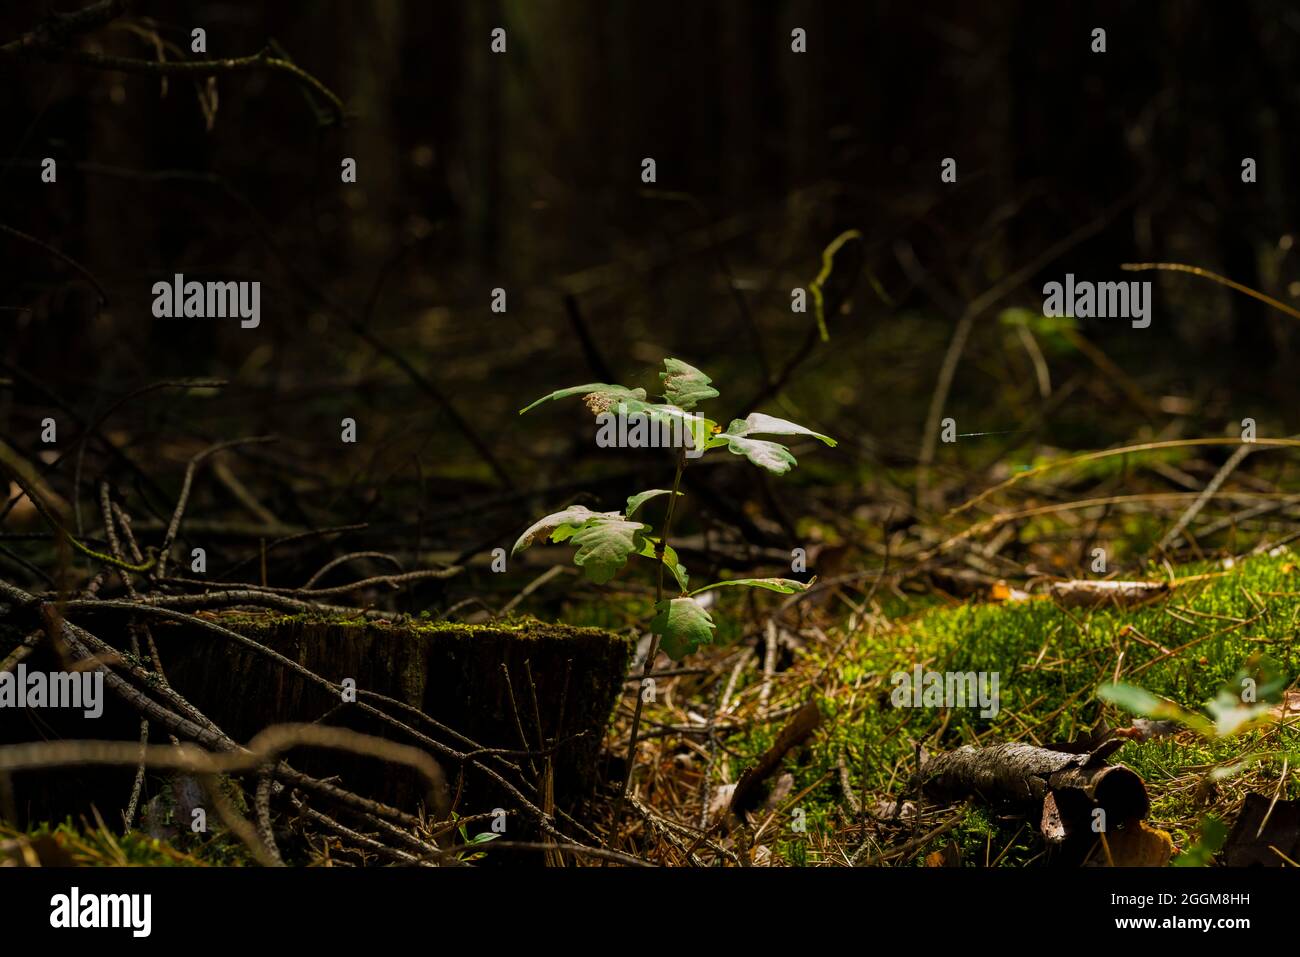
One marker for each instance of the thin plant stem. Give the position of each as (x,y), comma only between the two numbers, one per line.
(654,637)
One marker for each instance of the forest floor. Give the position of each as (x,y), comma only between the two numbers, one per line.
(801,686)
(847,793)
(854,779)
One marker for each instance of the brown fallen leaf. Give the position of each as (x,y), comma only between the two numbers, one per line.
(947,856)
(1266,833)
(1052,825)
(1136,844)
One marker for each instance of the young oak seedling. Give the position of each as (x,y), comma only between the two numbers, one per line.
(606,540)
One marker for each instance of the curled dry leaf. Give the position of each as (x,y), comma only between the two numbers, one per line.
(1136,844)
(1265,834)
(947,856)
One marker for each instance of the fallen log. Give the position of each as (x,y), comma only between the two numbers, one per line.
(1063,788)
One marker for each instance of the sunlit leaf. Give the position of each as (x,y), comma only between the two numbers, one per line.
(604,544)
(1232,715)
(671,561)
(769,455)
(634,502)
(1143,702)
(685,385)
(683,626)
(688,429)
(1234,710)
(604,539)
(786,586)
(559,525)
(757,423)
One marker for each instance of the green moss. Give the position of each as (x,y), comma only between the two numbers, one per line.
(519,626)
(66,844)
(1051,661)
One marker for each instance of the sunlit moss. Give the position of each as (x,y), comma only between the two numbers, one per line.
(1051,661)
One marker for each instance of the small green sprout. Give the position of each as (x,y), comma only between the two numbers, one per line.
(605,541)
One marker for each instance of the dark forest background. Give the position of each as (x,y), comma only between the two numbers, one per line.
(522,171)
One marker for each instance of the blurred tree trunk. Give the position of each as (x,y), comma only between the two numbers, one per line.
(375,204)
(481,120)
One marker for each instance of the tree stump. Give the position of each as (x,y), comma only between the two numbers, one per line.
(517,686)
(556,685)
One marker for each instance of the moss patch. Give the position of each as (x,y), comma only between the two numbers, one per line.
(1051,661)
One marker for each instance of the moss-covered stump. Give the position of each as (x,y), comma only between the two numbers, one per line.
(484,682)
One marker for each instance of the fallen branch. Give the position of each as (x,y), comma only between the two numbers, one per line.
(1067,787)
(797,730)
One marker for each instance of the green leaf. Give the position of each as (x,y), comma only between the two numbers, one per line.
(600,396)
(786,586)
(604,544)
(1213,835)
(559,525)
(670,426)
(1143,702)
(665,412)
(1232,715)
(756,423)
(671,561)
(604,539)
(685,385)
(640,498)
(769,455)
(683,626)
